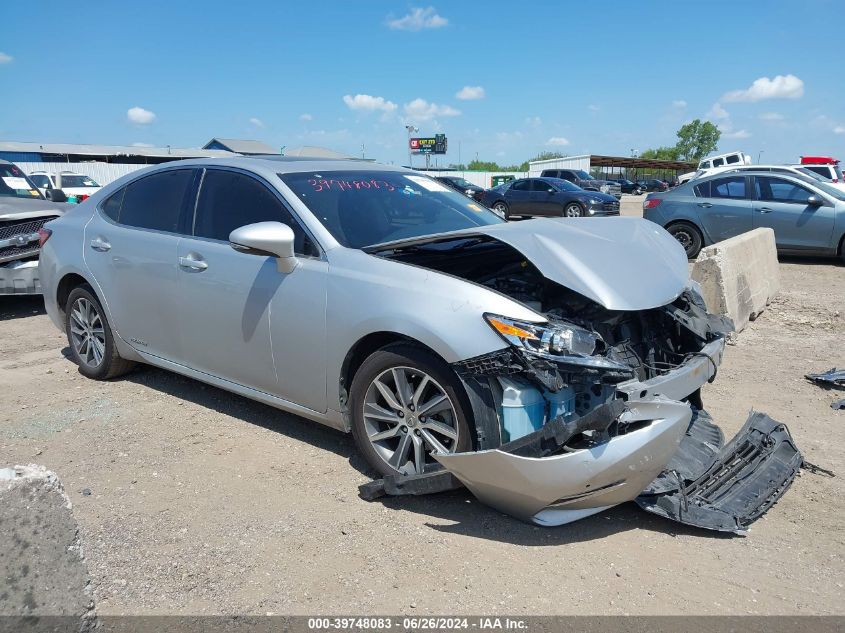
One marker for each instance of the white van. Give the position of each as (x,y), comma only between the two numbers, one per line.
(716,163)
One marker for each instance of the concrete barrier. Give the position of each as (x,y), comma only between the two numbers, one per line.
(42,569)
(739,276)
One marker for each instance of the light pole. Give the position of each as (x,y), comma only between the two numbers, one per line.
(758,156)
(411,129)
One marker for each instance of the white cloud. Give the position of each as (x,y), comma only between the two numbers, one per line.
(557,141)
(717,112)
(305,117)
(839,129)
(593,108)
(142,145)
(737,134)
(771,116)
(533,121)
(470,93)
(5,59)
(419,19)
(422,110)
(679,103)
(509,137)
(256,122)
(368,103)
(139,116)
(781,87)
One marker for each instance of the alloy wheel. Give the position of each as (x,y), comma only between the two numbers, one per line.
(572,211)
(407,415)
(87,333)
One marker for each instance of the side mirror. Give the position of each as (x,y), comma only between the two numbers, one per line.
(56,195)
(267,239)
(815,201)
(550,190)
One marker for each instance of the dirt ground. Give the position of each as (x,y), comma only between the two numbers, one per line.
(192,500)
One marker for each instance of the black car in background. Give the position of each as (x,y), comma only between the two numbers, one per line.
(653,184)
(584,180)
(462,185)
(548,197)
(629,186)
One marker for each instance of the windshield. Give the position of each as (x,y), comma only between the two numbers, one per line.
(830,190)
(583,175)
(77,181)
(363,208)
(565,185)
(15,184)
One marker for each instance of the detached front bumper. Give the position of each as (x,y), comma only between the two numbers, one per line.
(20,278)
(562,488)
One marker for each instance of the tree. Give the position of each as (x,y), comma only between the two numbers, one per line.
(697,139)
(661,153)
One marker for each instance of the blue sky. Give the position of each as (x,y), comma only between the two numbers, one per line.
(506,80)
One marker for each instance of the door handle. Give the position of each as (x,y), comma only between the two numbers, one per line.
(192,263)
(101,245)
(705,205)
(764,210)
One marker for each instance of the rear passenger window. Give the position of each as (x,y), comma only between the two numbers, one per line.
(733,187)
(155,202)
(702,190)
(730,160)
(111,207)
(718,162)
(520,185)
(229,200)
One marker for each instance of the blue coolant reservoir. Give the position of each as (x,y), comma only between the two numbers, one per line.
(561,403)
(523,409)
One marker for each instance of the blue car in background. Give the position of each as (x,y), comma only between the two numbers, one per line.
(807,216)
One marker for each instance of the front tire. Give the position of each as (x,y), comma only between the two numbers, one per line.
(688,236)
(573,210)
(90,337)
(405,403)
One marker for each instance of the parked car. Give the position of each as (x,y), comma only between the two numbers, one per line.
(629,186)
(653,184)
(23,213)
(462,185)
(371,299)
(550,197)
(65,185)
(585,181)
(826,166)
(807,215)
(800,171)
(709,165)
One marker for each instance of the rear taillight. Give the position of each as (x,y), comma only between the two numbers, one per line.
(43,236)
(651,203)
(82,196)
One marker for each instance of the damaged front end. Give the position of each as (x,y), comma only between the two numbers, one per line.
(588,408)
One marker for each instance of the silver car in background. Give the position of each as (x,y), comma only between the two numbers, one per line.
(376,300)
(806,214)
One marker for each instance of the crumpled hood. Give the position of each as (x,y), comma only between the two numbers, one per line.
(620,263)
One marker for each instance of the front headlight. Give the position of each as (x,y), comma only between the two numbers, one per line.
(545,339)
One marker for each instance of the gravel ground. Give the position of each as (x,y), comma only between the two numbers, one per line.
(199,501)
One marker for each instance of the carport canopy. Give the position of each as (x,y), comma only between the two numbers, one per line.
(623,162)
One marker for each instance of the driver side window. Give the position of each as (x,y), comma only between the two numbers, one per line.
(777,190)
(229,200)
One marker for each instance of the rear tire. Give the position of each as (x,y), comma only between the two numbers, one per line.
(502,208)
(90,337)
(688,236)
(406,402)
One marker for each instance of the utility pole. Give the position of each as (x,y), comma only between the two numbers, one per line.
(411,129)
(758,156)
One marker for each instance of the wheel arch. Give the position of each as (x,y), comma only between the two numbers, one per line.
(66,285)
(363,348)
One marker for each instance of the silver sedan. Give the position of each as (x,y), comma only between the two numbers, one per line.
(376,300)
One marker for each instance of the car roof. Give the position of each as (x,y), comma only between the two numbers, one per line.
(287,164)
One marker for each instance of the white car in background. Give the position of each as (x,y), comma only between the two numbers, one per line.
(71,184)
(713,164)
